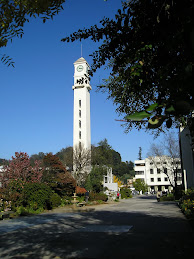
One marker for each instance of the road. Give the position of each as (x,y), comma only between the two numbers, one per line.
(130,228)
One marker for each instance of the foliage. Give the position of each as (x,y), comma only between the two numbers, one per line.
(23,211)
(168,197)
(95,179)
(80,191)
(66,157)
(148,46)
(104,154)
(98,196)
(186,203)
(19,168)
(140,185)
(55,200)
(37,195)
(36,157)
(14,14)
(117,180)
(4,161)
(56,176)
(125,193)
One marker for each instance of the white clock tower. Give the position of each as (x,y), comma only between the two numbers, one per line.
(81,120)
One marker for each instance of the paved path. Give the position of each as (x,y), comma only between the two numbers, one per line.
(134,227)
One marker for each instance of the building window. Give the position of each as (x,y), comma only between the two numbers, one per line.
(158,170)
(159,179)
(105,179)
(140,164)
(80,103)
(80,124)
(166,179)
(165,170)
(80,145)
(80,134)
(139,172)
(151,171)
(152,179)
(151,163)
(80,113)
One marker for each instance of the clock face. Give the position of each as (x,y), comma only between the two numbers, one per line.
(80,68)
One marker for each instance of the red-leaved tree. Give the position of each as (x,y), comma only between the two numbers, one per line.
(19,169)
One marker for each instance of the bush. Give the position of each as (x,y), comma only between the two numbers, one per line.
(98,196)
(55,200)
(37,195)
(125,193)
(186,203)
(169,197)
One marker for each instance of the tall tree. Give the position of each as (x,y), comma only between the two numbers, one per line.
(148,46)
(140,153)
(14,14)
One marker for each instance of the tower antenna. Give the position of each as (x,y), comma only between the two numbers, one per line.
(81,49)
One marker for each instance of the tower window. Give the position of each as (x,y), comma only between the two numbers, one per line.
(80,103)
(80,113)
(80,124)
(80,134)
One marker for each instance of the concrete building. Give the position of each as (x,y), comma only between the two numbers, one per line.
(158,172)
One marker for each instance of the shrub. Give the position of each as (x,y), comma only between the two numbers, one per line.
(55,200)
(186,203)
(37,195)
(98,196)
(125,193)
(80,191)
(169,197)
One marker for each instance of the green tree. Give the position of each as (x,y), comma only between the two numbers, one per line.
(140,185)
(148,46)
(66,157)
(14,14)
(95,179)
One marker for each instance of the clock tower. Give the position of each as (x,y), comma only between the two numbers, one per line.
(81,120)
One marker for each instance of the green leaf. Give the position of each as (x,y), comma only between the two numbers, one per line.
(152,107)
(170,109)
(138,116)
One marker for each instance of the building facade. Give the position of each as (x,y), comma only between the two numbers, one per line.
(158,172)
(81,113)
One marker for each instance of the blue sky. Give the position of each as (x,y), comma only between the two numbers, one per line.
(36,100)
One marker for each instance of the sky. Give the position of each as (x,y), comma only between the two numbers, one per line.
(36,97)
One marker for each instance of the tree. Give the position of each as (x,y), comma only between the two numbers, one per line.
(16,175)
(56,176)
(14,14)
(36,157)
(66,157)
(95,179)
(148,46)
(140,185)
(20,169)
(140,153)
(104,154)
(166,157)
(81,164)
(117,180)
